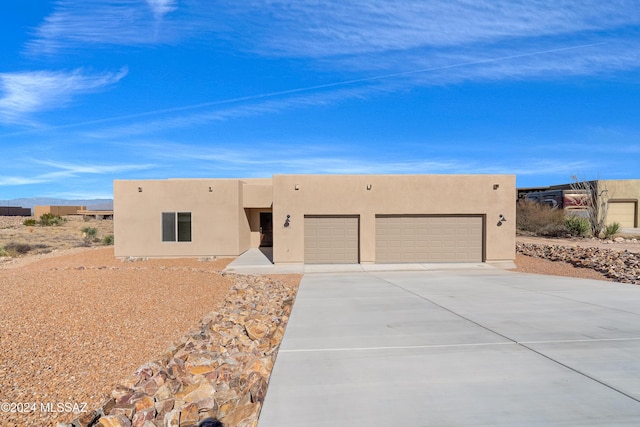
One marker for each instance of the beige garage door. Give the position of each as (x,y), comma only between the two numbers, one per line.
(422,238)
(623,213)
(331,239)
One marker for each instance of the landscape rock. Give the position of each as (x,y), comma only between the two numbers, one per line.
(619,265)
(218,371)
(189,415)
(114,421)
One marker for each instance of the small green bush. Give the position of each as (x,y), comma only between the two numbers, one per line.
(89,234)
(611,230)
(30,222)
(108,240)
(577,226)
(3,252)
(49,219)
(540,219)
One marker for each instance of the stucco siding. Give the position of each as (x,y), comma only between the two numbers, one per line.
(368,195)
(219,226)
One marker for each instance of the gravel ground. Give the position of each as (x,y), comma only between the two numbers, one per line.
(527,264)
(73,326)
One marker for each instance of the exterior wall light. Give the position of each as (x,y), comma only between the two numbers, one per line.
(139,189)
(501,220)
(496,186)
(287,222)
(369,186)
(296,187)
(210,189)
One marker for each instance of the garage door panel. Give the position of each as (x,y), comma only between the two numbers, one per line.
(331,239)
(429,238)
(623,213)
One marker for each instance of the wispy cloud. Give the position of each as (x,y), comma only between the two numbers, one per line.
(54,171)
(386,45)
(87,24)
(337,159)
(22,94)
(437,69)
(161,7)
(76,169)
(335,27)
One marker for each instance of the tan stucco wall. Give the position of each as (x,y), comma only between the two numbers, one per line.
(622,190)
(391,194)
(223,224)
(257,195)
(219,224)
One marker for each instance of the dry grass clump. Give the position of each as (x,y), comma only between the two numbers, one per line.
(539,219)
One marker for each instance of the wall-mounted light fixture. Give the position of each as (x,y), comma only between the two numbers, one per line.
(501,220)
(139,189)
(296,187)
(210,189)
(369,186)
(287,222)
(496,186)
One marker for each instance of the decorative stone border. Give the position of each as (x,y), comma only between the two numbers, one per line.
(620,265)
(217,373)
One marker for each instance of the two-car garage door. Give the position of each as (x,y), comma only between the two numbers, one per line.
(398,239)
(428,238)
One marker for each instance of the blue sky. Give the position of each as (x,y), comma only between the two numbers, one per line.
(92,91)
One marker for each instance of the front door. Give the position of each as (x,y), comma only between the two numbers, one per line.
(266,229)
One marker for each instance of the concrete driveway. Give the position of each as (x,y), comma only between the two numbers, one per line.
(463,347)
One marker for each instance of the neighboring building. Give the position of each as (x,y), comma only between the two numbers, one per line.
(38,211)
(623,201)
(622,195)
(14,211)
(320,218)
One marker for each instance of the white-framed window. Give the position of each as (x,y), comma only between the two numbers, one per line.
(176,226)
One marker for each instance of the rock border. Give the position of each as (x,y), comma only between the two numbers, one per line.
(619,265)
(218,372)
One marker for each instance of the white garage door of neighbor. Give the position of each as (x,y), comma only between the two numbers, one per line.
(331,239)
(623,213)
(428,238)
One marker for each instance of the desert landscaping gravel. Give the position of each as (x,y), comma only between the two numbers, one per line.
(73,326)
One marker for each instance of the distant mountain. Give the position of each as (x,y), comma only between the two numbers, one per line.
(91,204)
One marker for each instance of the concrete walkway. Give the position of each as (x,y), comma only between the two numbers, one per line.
(259,261)
(457,347)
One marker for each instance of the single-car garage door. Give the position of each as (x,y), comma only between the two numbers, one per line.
(623,213)
(428,238)
(331,239)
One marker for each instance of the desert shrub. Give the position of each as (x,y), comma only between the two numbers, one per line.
(577,226)
(89,234)
(108,240)
(3,252)
(30,222)
(14,249)
(49,219)
(611,230)
(540,219)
